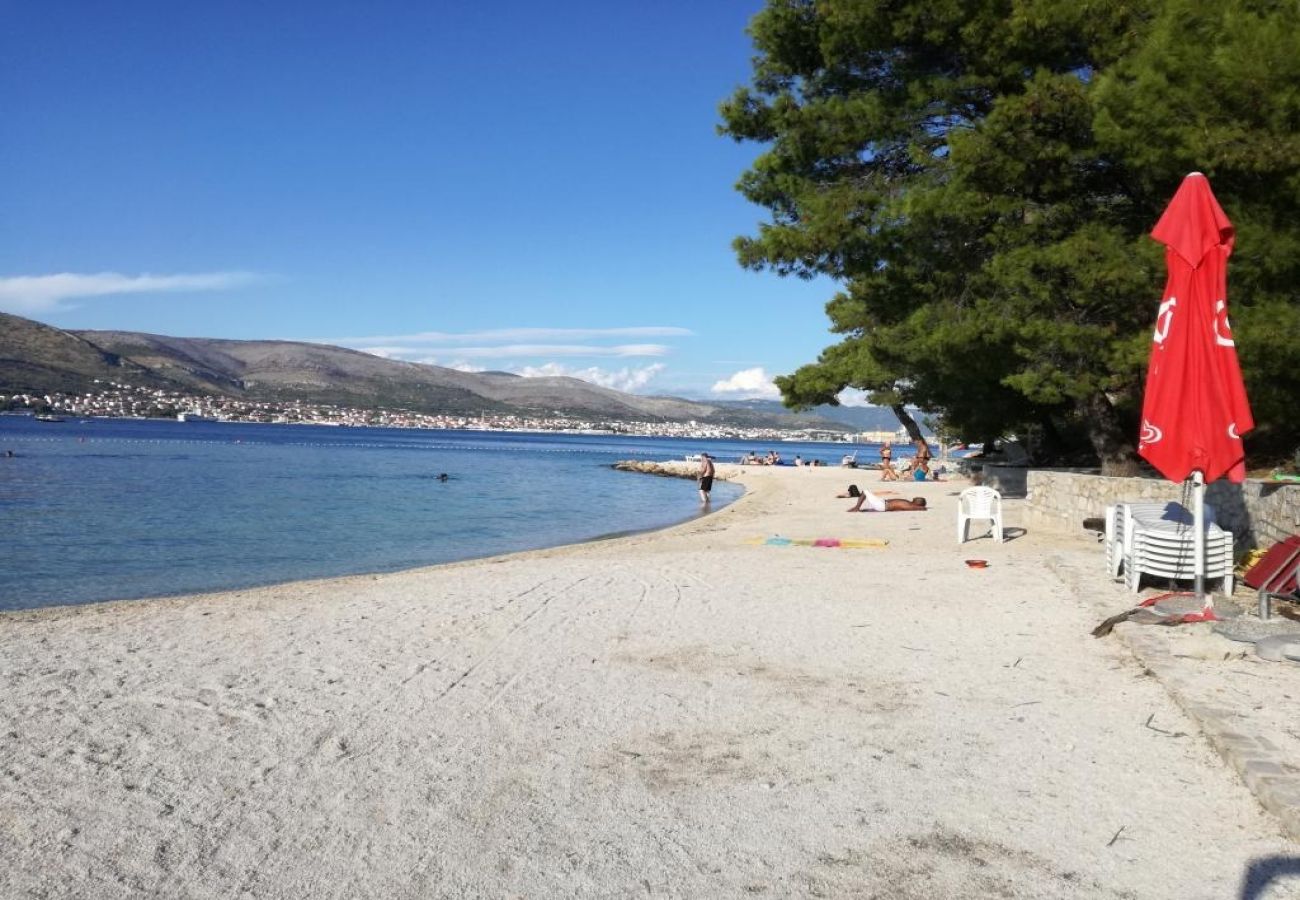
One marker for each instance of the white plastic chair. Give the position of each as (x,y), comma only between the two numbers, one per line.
(1155,538)
(979,503)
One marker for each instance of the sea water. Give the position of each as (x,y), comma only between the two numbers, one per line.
(102,509)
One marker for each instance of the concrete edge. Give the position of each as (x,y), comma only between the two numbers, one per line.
(1255,759)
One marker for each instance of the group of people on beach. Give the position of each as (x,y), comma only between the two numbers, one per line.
(772,458)
(918,469)
(864,501)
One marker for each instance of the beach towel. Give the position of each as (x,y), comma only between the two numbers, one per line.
(832,542)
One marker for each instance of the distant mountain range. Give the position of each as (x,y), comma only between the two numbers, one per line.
(856,418)
(38,358)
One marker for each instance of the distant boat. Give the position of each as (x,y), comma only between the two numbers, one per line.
(48,418)
(192,416)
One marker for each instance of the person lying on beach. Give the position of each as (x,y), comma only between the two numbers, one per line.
(880,504)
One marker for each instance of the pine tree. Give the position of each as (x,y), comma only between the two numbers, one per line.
(981,177)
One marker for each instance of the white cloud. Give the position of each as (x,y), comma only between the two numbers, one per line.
(853,397)
(749,384)
(403,354)
(627,379)
(388,353)
(507,351)
(529,350)
(511,335)
(25,294)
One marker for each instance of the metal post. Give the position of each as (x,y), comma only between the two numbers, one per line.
(1198,536)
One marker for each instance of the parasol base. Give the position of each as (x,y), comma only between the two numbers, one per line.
(1187,604)
(1279,648)
(1249,629)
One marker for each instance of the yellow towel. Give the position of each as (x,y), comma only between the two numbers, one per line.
(1249,559)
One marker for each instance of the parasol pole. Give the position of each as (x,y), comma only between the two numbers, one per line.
(1198,536)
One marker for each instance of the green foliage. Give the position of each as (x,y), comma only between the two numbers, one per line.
(981,177)
(1216,87)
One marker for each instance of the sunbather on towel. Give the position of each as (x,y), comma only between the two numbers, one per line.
(872,503)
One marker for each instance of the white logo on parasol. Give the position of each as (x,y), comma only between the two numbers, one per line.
(1221,325)
(1232,431)
(1150,433)
(1164,318)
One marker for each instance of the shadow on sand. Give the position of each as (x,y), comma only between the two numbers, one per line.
(1264,872)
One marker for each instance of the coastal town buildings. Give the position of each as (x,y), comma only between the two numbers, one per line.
(115,400)
(899,435)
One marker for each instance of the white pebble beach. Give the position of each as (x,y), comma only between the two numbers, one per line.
(685,713)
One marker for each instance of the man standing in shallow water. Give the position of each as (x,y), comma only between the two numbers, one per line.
(706,477)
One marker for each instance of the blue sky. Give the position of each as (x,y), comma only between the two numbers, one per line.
(536,188)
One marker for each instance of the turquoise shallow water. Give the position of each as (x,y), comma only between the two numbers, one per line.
(110,509)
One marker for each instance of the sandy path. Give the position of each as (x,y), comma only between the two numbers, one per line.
(680,714)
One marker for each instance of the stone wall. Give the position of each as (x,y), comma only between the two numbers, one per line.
(1009,481)
(1258,513)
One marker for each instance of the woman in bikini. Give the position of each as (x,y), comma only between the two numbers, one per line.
(887,472)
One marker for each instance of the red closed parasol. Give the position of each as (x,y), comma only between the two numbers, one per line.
(1195,411)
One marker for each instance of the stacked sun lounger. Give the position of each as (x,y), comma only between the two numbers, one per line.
(1157,538)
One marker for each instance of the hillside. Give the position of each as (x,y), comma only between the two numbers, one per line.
(36,358)
(857,418)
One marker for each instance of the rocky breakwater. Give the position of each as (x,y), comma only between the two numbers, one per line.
(669,468)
